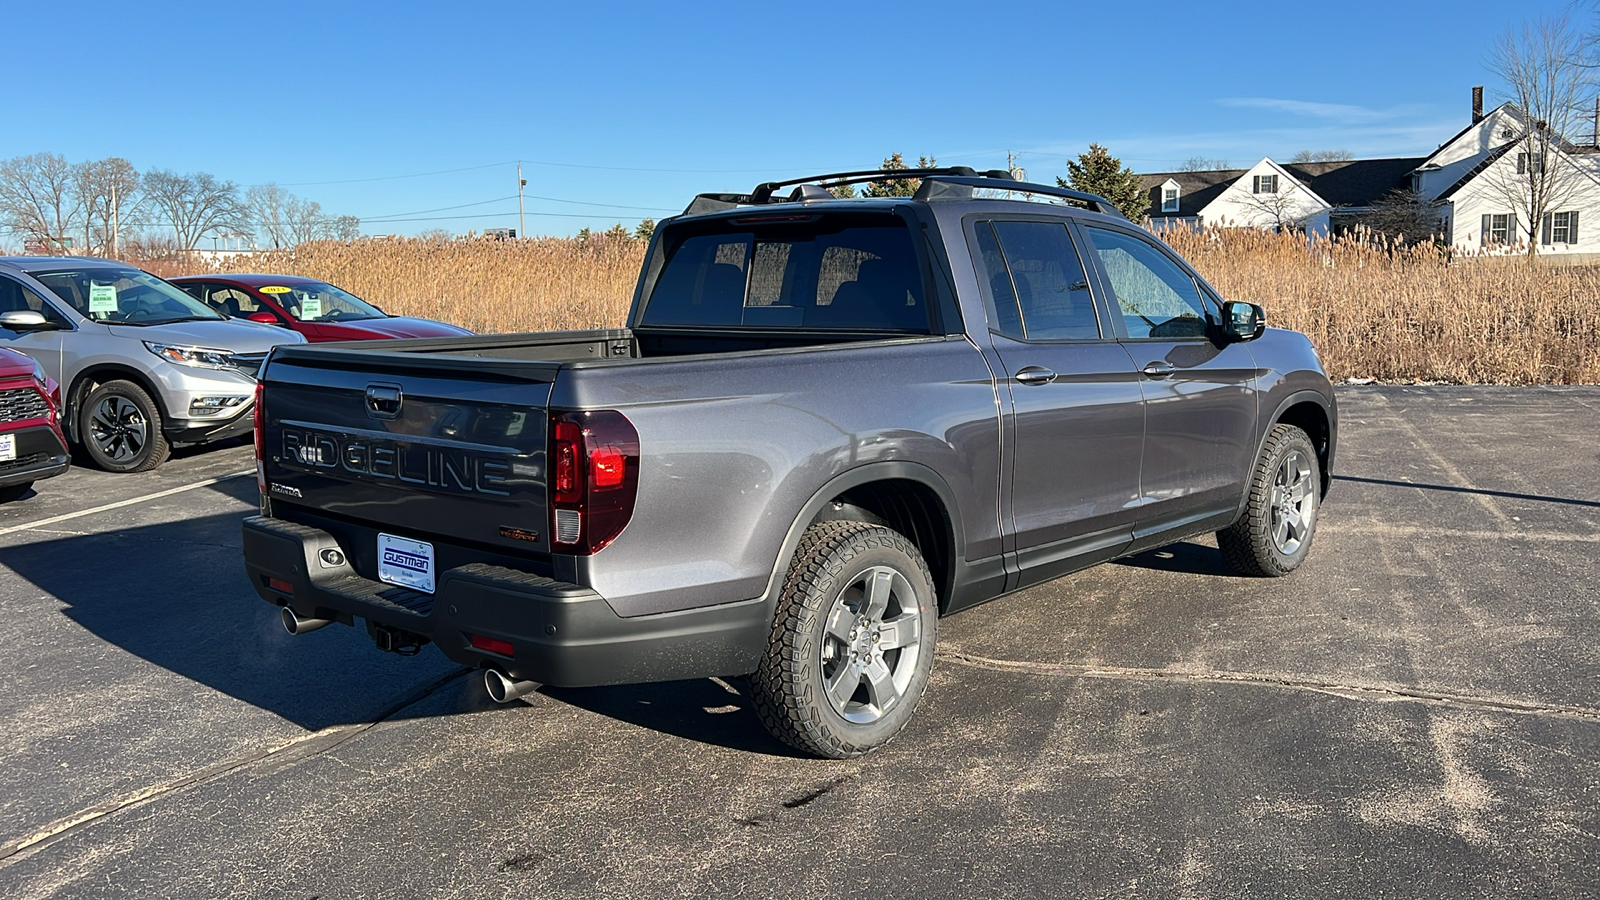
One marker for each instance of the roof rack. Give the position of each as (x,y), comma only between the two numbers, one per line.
(944,183)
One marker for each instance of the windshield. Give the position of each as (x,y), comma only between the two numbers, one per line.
(319,301)
(124,296)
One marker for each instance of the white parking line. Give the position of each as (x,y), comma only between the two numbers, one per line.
(121,503)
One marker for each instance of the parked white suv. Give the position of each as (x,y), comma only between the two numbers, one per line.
(142,365)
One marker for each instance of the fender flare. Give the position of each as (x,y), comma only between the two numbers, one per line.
(893,470)
(100,374)
(1295,399)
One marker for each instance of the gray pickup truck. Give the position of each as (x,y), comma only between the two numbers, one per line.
(828,422)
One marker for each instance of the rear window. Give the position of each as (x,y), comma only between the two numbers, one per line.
(851,272)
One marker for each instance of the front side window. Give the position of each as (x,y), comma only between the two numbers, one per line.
(117,296)
(1037,277)
(845,272)
(15,297)
(1157,299)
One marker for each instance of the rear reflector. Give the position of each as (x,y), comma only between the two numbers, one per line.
(278,584)
(491,645)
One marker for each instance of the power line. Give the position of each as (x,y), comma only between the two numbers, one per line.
(436,209)
(390,177)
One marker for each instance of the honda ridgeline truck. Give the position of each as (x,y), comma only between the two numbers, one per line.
(827,423)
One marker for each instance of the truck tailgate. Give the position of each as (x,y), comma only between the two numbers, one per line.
(428,447)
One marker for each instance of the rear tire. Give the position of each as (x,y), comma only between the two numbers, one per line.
(1274,535)
(15,491)
(120,427)
(852,641)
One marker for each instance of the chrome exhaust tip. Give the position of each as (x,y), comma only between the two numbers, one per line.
(502,689)
(294,623)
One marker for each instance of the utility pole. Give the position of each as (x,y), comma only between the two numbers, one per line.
(522,219)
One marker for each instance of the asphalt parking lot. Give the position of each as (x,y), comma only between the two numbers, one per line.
(1415,713)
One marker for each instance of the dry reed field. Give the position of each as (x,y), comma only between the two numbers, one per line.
(1373,310)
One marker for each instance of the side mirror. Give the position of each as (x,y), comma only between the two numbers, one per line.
(1243,321)
(24,320)
(264,318)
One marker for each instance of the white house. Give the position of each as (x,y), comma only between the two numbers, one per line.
(1476,184)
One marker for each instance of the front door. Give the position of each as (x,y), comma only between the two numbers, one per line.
(1200,401)
(1076,422)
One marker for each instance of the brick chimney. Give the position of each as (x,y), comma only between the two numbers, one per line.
(1477,104)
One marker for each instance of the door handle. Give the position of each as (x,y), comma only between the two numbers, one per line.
(1035,375)
(1159,369)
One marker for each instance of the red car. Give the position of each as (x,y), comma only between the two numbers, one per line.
(314,308)
(31,443)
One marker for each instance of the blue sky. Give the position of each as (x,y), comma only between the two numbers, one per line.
(639,106)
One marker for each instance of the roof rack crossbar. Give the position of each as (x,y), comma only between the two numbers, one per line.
(961,176)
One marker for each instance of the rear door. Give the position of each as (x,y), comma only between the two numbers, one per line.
(427,448)
(1200,401)
(1076,423)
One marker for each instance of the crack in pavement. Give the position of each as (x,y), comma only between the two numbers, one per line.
(329,738)
(1364,692)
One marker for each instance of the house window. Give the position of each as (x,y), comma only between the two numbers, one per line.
(1499,230)
(1563,228)
(1527,164)
(1169,200)
(1264,184)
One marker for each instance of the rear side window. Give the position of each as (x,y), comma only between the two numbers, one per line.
(1157,299)
(859,274)
(1036,278)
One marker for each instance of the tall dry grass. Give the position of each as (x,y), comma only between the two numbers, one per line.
(488,286)
(1372,309)
(1393,313)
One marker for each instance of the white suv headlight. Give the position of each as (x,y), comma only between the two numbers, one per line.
(199,357)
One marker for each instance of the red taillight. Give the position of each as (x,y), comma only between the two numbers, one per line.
(491,645)
(594,478)
(281,586)
(260,420)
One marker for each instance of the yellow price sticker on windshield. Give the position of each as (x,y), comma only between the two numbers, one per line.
(275,289)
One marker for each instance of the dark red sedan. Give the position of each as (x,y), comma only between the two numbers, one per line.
(316,309)
(31,444)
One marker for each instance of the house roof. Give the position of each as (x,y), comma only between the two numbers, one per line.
(1476,170)
(1195,189)
(1353,182)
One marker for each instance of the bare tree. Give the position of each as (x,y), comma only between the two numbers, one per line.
(305,221)
(195,205)
(109,192)
(1204,164)
(1404,217)
(267,204)
(1544,67)
(345,228)
(1315,156)
(39,197)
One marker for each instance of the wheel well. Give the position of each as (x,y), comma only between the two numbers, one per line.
(911,508)
(89,379)
(1313,420)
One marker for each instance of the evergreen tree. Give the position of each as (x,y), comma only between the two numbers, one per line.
(645,230)
(1098,172)
(896,187)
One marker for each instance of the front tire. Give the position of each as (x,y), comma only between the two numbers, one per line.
(120,427)
(852,641)
(1274,535)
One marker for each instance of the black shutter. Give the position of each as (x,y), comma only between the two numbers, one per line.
(1572,227)
(1483,239)
(1544,231)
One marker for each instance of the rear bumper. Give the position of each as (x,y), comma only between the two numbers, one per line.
(40,454)
(562,634)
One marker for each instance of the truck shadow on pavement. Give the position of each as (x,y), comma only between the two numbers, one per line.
(1185,557)
(701,710)
(175,594)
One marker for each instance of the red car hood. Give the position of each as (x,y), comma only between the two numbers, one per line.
(392,327)
(14,364)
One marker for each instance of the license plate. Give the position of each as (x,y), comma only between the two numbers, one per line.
(405,562)
(8,447)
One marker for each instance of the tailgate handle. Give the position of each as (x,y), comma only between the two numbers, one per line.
(383,400)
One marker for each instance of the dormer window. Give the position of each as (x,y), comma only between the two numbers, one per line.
(1169,196)
(1264,184)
